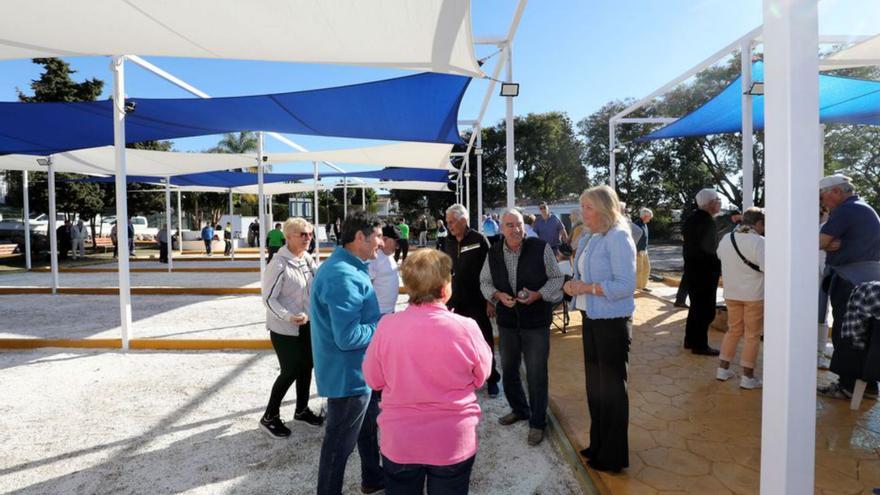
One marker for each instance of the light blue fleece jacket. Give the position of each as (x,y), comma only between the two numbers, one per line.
(343,314)
(610,261)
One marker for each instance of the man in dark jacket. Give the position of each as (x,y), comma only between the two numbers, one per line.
(523,276)
(62,234)
(468,249)
(702,268)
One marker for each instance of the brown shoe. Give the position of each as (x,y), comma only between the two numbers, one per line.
(509,419)
(535,436)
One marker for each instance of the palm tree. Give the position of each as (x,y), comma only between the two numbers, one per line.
(238,142)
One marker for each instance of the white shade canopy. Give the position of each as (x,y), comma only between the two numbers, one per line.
(864,53)
(409,155)
(101,161)
(420,35)
(300,187)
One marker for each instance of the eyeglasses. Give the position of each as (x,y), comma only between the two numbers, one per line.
(306,235)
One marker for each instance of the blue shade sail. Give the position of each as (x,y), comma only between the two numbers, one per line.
(842,100)
(421,107)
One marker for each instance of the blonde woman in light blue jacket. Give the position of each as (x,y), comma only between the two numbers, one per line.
(602,288)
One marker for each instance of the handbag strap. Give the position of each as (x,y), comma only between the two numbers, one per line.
(747,262)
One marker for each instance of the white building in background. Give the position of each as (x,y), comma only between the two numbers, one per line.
(4,189)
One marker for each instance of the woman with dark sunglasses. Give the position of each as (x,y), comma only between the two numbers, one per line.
(286,286)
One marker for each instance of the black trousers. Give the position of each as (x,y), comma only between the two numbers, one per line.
(701,288)
(163,252)
(847,362)
(681,294)
(272,251)
(227,247)
(402,250)
(606,351)
(295,357)
(482,319)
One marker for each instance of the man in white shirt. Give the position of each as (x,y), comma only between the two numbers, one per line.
(384,271)
(742,266)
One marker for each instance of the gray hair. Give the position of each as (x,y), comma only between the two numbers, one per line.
(458,210)
(511,211)
(645,211)
(706,196)
(845,188)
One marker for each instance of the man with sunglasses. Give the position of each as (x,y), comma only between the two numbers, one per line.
(549,228)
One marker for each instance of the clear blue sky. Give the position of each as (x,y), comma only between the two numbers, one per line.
(569,55)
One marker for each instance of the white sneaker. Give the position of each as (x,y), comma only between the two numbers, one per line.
(822,362)
(750,383)
(724,374)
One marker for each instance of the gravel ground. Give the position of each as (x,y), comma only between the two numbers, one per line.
(185,264)
(178,279)
(179,317)
(150,422)
(185,317)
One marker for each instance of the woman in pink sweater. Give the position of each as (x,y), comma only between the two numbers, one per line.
(427,361)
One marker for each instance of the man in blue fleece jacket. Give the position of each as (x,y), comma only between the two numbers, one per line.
(344,313)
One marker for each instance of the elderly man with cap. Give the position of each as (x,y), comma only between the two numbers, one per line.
(851,239)
(468,249)
(702,268)
(384,271)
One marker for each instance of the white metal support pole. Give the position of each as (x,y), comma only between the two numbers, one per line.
(479,131)
(26,220)
(231,213)
(509,143)
(168,254)
(364,198)
(748,165)
(317,240)
(791,135)
(179,223)
(270,217)
(467,184)
(612,156)
(117,67)
(53,235)
(345,197)
(261,204)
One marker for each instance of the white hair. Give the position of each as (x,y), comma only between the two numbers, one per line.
(706,196)
(458,210)
(511,211)
(645,211)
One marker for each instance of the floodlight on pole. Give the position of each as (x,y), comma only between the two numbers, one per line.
(44,162)
(757,89)
(510,90)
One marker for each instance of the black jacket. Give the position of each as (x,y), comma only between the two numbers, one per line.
(467,261)
(700,244)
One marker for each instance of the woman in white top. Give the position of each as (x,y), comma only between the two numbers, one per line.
(286,286)
(742,266)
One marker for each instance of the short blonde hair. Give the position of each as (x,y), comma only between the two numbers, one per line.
(296,224)
(605,202)
(425,272)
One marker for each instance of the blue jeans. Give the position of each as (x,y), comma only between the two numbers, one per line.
(406,479)
(533,345)
(350,421)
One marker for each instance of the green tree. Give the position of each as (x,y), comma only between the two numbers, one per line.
(56,84)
